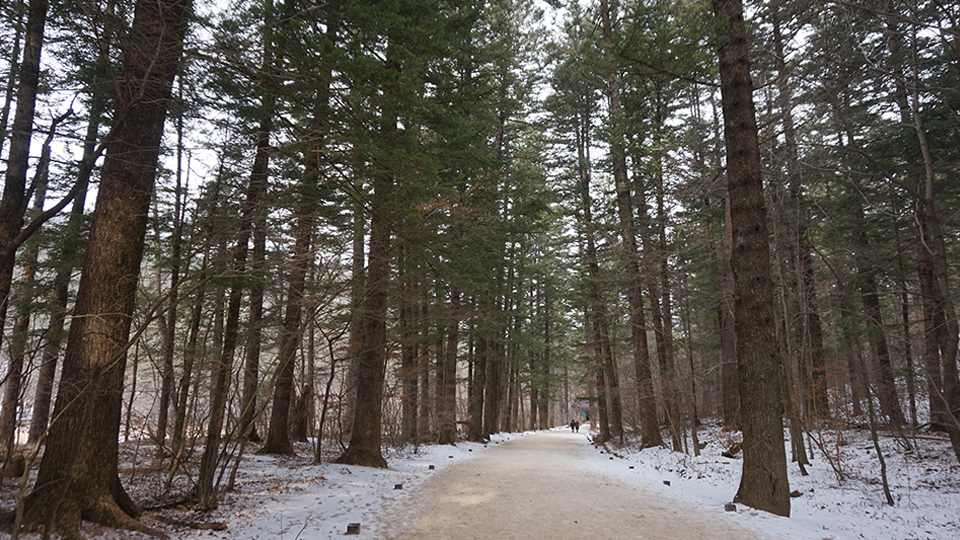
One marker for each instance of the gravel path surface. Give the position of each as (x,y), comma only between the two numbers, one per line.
(537,487)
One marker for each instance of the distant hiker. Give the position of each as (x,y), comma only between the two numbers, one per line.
(573,426)
(576,426)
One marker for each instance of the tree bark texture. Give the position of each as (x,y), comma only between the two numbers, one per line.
(428,368)
(763,484)
(478,384)
(943,306)
(357,286)
(942,315)
(625,215)
(494,393)
(81,453)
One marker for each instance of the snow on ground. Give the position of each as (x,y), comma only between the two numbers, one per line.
(289,499)
(924,483)
(283,498)
(292,499)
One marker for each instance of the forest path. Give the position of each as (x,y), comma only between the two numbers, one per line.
(538,487)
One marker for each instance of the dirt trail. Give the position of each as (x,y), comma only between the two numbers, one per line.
(532,488)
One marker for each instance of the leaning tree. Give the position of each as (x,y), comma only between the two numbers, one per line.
(78,474)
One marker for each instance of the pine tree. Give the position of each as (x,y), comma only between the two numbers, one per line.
(78,475)
(763,484)
(15,198)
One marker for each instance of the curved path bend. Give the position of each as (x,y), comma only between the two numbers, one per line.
(535,488)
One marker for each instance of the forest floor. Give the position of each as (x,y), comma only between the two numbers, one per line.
(557,484)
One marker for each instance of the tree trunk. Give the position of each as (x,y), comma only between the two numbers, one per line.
(13,205)
(932,323)
(478,384)
(510,421)
(813,328)
(944,321)
(597,308)
(625,214)
(80,461)
(602,418)
(170,327)
(791,409)
(493,395)
(440,356)
(612,381)
(428,366)
(866,276)
(808,333)
(646,395)
(943,307)
(546,393)
(664,353)
(13,388)
(908,347)
(668,367)
(12,72)
(251,362)
(321,428)
(61,283)
(447,414)
(601,340)
(409,376)
(688,342)
(516,394)
(299,424)
(259,174)
(426,410)
(728,331)
(357,286)
(278,434)
(193,335)
(763,484)
(206,490)
(364,448)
